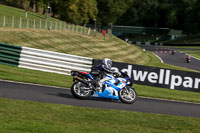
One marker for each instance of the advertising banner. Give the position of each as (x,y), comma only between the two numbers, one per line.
(159,77)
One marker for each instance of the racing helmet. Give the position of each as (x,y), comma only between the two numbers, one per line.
(107,63)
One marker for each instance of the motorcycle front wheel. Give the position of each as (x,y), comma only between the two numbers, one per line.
(128,95)
(80,90)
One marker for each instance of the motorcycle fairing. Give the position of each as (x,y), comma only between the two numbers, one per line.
(109,92)
(85,73)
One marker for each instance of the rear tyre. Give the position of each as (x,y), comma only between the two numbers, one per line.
(80,90)
(128,96)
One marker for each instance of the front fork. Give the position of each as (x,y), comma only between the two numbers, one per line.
(127,89)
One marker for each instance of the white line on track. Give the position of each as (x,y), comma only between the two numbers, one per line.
(169,100)
(158,57)
(35,84)
(195,57)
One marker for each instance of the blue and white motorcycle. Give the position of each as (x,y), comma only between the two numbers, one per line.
(112,86)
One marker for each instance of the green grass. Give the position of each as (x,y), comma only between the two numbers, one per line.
(192,54)
(75,43)
(196,55)
(33,117)
(22,116)
(30,76)
(11,11)
(155,92)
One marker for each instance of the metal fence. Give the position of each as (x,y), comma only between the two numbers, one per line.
(45,24)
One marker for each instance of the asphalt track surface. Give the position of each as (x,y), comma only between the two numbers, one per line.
(13,90)
(178,59)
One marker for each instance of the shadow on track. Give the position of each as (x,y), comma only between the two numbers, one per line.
(70,96)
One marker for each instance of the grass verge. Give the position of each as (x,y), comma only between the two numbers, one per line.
(52,118)
(195,53)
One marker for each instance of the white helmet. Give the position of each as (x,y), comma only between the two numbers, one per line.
(107,63)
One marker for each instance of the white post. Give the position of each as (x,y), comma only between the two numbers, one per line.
(45,24)
(56,26)
(76,28)
(4,21)
(89,31)
(27,23)
(60,26)
(51,25)
(13,21)
(34,23)
(20,22)
(40,24)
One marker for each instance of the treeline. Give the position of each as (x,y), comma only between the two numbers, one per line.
(176,14)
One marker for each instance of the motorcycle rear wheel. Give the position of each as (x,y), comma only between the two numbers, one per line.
(128,97)
(78,91)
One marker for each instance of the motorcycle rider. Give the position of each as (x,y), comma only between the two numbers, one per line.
(103,69)
(188,58)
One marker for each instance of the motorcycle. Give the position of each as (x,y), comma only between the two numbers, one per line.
(188,58)
(112,87)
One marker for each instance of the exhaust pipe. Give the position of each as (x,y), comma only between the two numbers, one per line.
(82,81)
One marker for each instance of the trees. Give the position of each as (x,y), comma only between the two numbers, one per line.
(111,10)
(176,14)
(77,11)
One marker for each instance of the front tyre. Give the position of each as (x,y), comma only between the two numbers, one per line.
(80,90)
(128,96)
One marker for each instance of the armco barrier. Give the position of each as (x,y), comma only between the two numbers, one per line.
(43,60)
(9,54)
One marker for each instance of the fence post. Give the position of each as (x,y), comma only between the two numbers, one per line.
(13,21)
(4,21)
(88,31)
(20,22)
(56,26)
(85,30)
(27,23)
(34,23)
(76,28)
(51,27)
(73,28)
(45,25)
(81,30)
(40,24)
